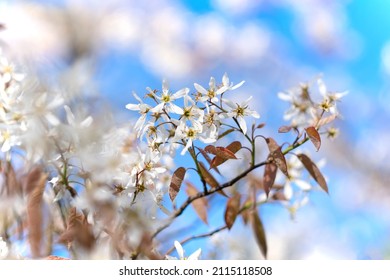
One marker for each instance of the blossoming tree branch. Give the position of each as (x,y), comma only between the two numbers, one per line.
(100,190)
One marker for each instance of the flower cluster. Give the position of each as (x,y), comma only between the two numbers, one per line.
(201,116)
(307,111)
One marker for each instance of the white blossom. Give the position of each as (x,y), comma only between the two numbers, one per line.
(239,111)
(211,93)
(180,251)
(143,109)
(167,98)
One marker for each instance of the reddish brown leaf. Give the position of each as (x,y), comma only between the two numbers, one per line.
(261,125)
(233,147)
(210,180)
(279,196)
(221,152)
(245,214)
(270,171)
(12,184)
(177,179)
(277,155)
(314,171)
(34,185)
(314,136)
(259,232)
(284,129)
(146,247)
(200,205)
(232,209)
(78,231)
(206,156)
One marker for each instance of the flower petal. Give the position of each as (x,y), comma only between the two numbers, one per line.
(242,124)
(195,255)
(200,89)
(179,249)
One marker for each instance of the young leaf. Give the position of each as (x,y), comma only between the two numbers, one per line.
(206,156)
(177,179)
(232,209)
(221,152)
(314,136)
(279,196)
(11,181)
(259,232)
(233,148)
(200,205)
(245,214)
(210,180)
(284,129)
(270,171)
(314,171)
(207,176)
(78,231)
(277,155)
(261,125)
(34,186)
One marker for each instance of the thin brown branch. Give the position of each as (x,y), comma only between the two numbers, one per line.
(190,199)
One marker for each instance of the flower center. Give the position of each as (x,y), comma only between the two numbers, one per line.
(211,94)
(191,133)
(166,98)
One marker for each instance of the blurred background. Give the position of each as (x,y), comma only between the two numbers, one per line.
(111,48)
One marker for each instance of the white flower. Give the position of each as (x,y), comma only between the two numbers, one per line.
(189,134)
(211,124)
(3,249)
(239,111)
(302,111)
(45,108)
(295,169)
(328,103)
(143,109)
(166,100)
(9,137)
(228,85)
(191,112)
(211,93)
(155,134)
(7,71)
(180,251)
